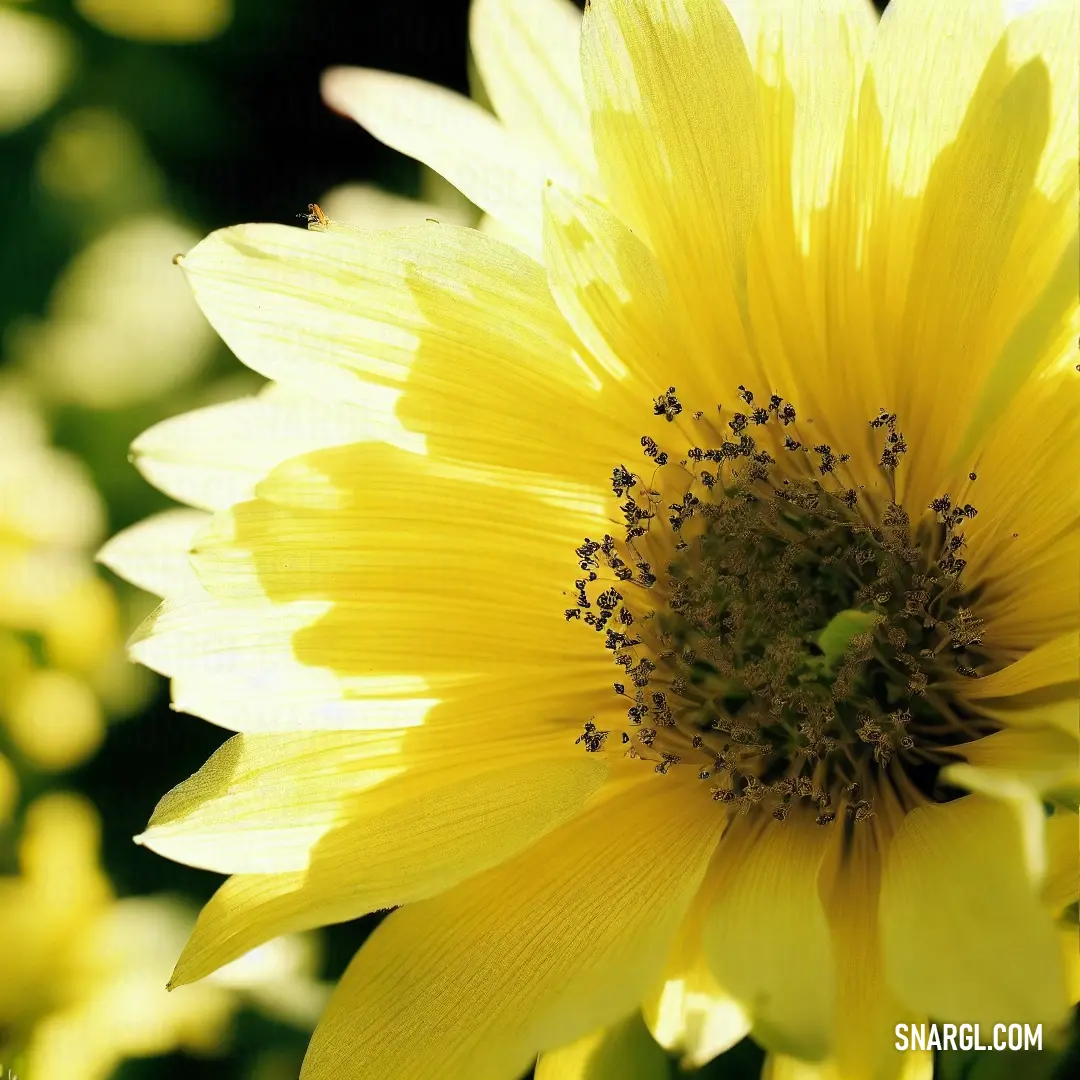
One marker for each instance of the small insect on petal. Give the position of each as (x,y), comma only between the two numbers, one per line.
(316,218)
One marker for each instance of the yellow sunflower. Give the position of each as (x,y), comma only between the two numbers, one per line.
(685,623)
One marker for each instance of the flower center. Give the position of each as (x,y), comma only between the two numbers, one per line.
(786,635)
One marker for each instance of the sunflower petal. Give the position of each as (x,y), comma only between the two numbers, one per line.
(972,207)
(528,957)
(236,665)
(1034,605)
(1050,29)
(622,1052)
(1062,885)
(262,801)
(779,970)
(1041,334)
(688,1013)
(678,135)
(527,52)
(265,667)
(215,456)
(807,104)
(331,313)
(1019,519)
(611,290)
(1043,760)
(452,135)
(913,1065)
(964,935)
(1052,664)
(867,1010)
(801,258)
(927,59)
(411,845)
(154,553)
(1021,766)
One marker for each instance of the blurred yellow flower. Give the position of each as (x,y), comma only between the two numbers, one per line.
(35,62)
(94,156)
(59,625)
(54,718)
(83,984)
(756,730)
(121,328)
(158,20)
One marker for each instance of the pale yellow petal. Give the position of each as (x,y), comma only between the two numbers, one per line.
(1043,759)
(927,59)
(1022,798)
(622,1052)
(867,1009)
(215,456)
(1023,795)
(779,968)
(498,230)
(528,957)
(1058,708)
(939,94)
(464,323)
(973,205)
(689,1014)
(528,52)
(422,838)
(798,247)
(333,570)
(154,553)
(372,513)
(262,800)
(808,104)
(236,665)
(1028,607)
(456,137)
(1062,885)
(1041,332)
(610,288)
(1056,662)
(264,667)
(1050,29)
(696,1019)
(678,135)
(1025,491)
(912,1065)
(964,935)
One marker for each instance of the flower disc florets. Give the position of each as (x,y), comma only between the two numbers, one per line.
(787,635)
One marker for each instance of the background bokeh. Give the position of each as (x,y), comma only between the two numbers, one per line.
(128,129)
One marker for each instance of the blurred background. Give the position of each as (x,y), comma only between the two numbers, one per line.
(128,130)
